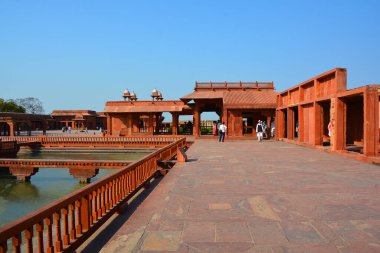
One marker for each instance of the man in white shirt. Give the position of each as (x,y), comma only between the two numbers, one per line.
(222,132)
(259,130)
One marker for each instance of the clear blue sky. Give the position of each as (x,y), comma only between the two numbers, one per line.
(75,54)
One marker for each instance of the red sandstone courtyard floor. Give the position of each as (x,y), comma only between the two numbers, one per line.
(246,196)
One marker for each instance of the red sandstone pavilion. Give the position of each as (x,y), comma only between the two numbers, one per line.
(302,113)
(233,102)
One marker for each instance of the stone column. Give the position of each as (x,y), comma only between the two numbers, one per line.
(279,124)
(135,122)
(157,128)
(290,124)
(129,124)
(196,120)
(371,123)
(301,124)
(11,128)
(150,126)
(338,122)
(109,124)
(175,119)
(225,120)
(318,124)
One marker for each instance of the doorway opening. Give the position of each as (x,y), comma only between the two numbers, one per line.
(325,120)
(209,121)
(354,123)
(185,124)
(285,123)
(295,123)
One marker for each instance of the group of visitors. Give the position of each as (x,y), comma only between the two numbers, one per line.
(261,127)
(261,130)
(220,129)
(66,129)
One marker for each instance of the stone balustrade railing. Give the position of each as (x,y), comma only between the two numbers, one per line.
(66,223)
(95,141)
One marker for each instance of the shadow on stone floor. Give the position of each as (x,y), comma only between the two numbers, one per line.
(100,240)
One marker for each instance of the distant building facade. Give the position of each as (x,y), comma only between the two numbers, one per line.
(78,119)
(12,123)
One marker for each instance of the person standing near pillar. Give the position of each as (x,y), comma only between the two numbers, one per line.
(329,127)
(259,131)
(222,132)
(214,129)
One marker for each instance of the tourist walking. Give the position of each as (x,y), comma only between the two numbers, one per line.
(272,128)
(264,124)
(222,132)
(259,130)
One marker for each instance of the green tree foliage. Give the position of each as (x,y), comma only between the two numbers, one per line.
(10,106)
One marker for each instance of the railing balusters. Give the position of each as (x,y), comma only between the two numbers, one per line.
(29,240)
(90,202)
(106,197)
(49,233)
(58,236)
(3,247)
(40,236)
(85,214)
(99,202)
(73,235)
(16,243)
(103,207)
(78,217)
(66,237)
(95,206)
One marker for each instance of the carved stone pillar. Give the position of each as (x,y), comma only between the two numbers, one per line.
(371,123)
(175,119)
(196,121)
(338,123)
(109,125)
(150,126)
(11,128)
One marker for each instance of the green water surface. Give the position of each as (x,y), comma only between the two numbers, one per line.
(48,184)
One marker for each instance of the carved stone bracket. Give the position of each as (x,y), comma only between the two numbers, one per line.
(23,173)
(83,174)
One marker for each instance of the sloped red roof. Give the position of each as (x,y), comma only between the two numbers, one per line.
(203,95)
(255,99)
(238,98)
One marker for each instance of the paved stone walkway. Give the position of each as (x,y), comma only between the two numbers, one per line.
(257,197)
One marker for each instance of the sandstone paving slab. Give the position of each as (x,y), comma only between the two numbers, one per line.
(245,196)
(302,233)
(232,232)
(199,231)
(267,233)
(162,241)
